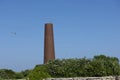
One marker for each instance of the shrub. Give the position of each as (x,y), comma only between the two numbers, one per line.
(38,73)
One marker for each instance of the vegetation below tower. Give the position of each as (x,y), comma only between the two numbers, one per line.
(98,66)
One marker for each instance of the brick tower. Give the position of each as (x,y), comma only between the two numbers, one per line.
(49,51)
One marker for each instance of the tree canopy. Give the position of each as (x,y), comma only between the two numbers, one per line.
(99,65)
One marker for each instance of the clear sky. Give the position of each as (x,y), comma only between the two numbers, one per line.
(81,28)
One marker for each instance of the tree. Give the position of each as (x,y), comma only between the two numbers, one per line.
(99,65)
(38,73)
(7,74)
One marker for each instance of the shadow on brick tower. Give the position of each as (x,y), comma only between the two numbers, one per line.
(49,51)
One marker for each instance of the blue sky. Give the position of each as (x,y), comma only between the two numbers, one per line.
(81,28)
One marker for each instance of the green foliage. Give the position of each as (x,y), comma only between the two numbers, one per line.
(68,67)
(107,65)
(19,75)
(38,73)
(25,73)
(7,74)
(100,65)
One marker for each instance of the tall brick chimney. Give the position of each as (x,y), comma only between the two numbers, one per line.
(49,51)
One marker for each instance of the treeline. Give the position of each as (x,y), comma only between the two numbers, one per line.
(98,66)
(10,74)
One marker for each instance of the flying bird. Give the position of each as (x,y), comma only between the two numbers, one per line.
(13,33)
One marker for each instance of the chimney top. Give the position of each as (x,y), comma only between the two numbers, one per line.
(48,24)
